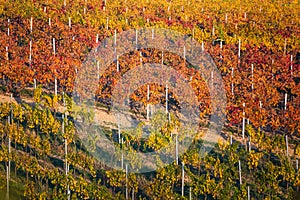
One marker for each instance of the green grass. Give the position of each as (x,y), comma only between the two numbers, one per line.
(16,190)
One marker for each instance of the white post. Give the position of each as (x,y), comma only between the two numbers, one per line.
(53,44)
(230,139)
(252,85)
(49,21)
(260,104)
(122,157)
(70,25)
(226,18)
(184,52)
(31,22)
(119,129)
(8,166)
(240,172)
(65,3)
(285,101)
(6,49)
(118,65)
(66,153)
(152,34)
(272,70)
(98,69)
(126,171)
(97,38)
(239,51)
(245,15)
(136,39)
(8,22)
(213,30)
(166,98)
(34,83)
(243,127)
(248,191)
(190,196)
(30,51)
(287,145)
(10,121)
(55,86)
(148,97)
(176,148)
(291,64)
(7,182)
(182,184)
(151,110)
(162,57)
(193,33)
(249,143)
(202,46)
(132,194)
(107,23)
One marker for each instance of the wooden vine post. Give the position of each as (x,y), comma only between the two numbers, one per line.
(30,51)
(182,180)
(126,189)
(252,79)
(148,97)
(287,145)
(64,116)
(248,192)
(285,100)
(55,79)
(166,98)
(239,50)
(240,172)
(119,128)
(122,155)
(8,167)
(291,67)
(176,149)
